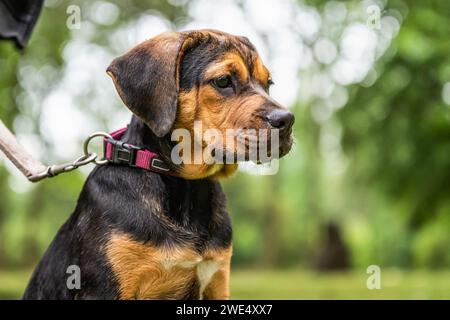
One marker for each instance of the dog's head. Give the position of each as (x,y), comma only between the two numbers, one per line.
(206,77)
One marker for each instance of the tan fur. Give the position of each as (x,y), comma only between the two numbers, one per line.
(219,285)
(205,104)
(230,62)
(147,272)
(260,72)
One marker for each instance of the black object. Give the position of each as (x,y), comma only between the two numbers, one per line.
(18,18)
(333,252)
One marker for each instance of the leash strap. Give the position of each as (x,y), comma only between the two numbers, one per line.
(28,165)
(115,151)
(118,152)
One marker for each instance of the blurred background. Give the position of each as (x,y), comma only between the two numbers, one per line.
(368,180)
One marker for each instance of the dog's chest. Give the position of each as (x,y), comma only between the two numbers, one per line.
(146,272)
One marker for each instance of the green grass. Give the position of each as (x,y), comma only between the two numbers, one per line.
(295,284)
(300,284)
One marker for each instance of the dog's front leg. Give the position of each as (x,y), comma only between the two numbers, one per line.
(219,286)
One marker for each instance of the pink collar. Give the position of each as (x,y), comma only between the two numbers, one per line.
(118,152)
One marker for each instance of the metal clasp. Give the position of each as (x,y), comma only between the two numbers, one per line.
(159,164)
(83,160)
(56,169)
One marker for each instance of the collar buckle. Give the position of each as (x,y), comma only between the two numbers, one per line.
(123,153)
(118,152)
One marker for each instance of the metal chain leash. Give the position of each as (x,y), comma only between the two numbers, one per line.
(86,158)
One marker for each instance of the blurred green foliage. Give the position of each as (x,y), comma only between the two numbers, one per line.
(391,201)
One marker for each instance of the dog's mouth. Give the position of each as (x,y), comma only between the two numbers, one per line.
(233,146)
(261,149)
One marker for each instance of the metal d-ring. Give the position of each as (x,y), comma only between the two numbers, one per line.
(86,145)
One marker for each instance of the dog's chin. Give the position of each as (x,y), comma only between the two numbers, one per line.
(285,146)
(282,151)
(235,156)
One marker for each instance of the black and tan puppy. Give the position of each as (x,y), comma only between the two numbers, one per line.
(137,234)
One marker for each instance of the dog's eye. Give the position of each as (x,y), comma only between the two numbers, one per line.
(222,82)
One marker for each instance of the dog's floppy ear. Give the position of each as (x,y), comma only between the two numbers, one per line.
(146,78)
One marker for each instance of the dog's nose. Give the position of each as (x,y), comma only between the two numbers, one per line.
(281,119)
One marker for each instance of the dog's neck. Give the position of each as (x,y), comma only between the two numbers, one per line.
(190,201)
(140,135)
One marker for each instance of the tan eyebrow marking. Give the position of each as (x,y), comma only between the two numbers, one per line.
(260,72)
(230,63)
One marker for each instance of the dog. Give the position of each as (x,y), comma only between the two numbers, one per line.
(140,234)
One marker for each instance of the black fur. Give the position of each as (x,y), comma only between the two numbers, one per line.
(196,61)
